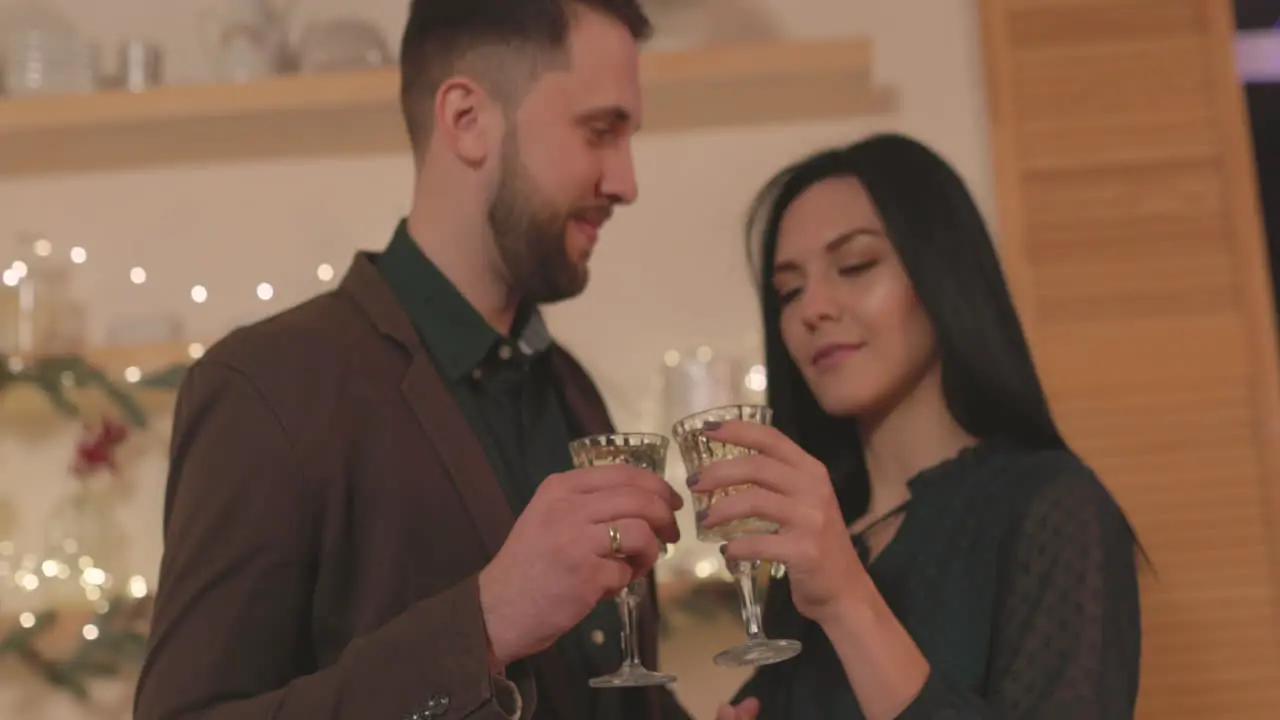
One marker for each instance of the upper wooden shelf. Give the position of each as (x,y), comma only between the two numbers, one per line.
(357,113)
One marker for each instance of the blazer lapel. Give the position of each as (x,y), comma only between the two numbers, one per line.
(586,409)
(464,458)
(442,421)
(455,441)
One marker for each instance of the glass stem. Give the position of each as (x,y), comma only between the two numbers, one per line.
(744,575)
(629,609)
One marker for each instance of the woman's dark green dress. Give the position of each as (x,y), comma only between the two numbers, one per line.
(1015,573)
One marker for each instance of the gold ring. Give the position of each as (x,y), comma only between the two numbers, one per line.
(615,540)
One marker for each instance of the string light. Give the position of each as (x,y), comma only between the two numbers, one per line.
(43,247)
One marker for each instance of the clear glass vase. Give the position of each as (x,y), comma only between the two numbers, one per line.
(43,51)
(79,567)
(11,594)
(50,320)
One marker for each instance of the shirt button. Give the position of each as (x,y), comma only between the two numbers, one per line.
(477,374)
(597,637)
(504,352)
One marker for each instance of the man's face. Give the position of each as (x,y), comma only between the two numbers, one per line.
(566,161)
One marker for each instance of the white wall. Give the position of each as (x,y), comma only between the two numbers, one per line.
(674,263)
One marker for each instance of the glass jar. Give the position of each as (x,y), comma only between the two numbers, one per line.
(50,319)
(43,51)
(80,564)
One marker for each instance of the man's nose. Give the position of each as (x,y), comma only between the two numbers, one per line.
(618,182)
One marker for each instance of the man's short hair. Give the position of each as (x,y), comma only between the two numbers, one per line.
(504,43)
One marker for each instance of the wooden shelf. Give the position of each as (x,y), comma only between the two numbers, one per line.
(357,113)
(26,408)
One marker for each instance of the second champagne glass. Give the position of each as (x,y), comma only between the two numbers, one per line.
(697,450)
(649,452)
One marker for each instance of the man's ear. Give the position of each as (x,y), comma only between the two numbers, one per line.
(468,120)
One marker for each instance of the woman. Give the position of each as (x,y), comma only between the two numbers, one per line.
(990,574)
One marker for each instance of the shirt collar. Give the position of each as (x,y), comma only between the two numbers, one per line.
(454,333)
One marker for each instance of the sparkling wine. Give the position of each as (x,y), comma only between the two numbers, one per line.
(731,530)
(650,455)
(648,452)
(699,451)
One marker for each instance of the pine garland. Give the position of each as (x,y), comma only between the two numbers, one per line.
(118,647)
(57,375)
(122,626)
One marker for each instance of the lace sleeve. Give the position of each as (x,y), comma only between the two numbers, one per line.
(1067,636)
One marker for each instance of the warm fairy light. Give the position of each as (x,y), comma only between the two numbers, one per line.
(14,275)
(671,358)
(756,379)
(138,586)
(132,374)
(703,354)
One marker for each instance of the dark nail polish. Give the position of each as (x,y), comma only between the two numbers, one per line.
(692,480)
(711,425)
(700,515)
(724,550)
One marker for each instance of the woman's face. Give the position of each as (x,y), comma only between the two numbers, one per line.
(850,320)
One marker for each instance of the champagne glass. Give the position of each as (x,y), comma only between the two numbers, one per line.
(698,451)
(649,452)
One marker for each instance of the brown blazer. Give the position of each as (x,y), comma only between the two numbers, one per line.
(327,511)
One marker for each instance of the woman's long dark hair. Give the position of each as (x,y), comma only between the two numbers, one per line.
(988,377)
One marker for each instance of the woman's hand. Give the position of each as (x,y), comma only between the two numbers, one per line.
(793,490)
(748,709)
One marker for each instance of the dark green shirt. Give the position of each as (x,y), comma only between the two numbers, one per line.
(506,388)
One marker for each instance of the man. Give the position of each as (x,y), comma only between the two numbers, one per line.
(357,524)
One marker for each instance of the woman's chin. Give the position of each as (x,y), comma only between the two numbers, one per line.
(844,403)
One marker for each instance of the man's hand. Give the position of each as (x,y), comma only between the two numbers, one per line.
(558,561)
(748,709)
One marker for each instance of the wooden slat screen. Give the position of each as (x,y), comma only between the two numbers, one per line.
(1129,227)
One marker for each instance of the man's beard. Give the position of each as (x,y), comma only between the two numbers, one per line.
(529,232)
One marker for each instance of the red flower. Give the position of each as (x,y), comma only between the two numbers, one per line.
(96,448)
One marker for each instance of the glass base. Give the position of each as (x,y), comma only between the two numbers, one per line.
(630,675)
(753,653)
